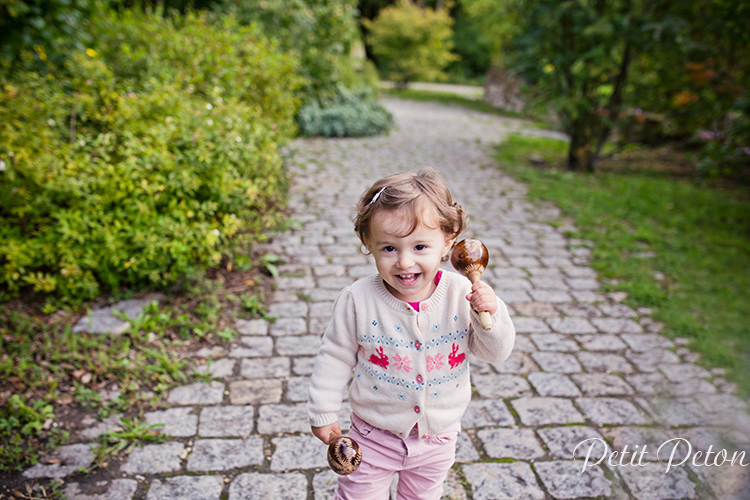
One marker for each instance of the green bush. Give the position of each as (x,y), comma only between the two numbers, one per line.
(347,115)
(411,43)
(320,32)
(139,174)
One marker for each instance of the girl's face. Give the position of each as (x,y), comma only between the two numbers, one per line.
(407,264)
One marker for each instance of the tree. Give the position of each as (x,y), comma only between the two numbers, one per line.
(411,43)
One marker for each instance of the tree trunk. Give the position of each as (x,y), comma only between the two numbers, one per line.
(581,154)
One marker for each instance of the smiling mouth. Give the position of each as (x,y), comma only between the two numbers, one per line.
(408,279)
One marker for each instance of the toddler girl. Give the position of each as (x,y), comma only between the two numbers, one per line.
(405,333)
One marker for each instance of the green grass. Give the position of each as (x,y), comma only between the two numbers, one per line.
(674,244)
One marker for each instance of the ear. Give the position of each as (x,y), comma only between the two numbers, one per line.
(448,245)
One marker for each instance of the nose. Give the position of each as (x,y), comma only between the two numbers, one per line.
(404,261)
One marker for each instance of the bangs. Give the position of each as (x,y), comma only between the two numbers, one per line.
(404,219)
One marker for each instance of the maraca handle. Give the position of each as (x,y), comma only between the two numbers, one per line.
(485,319)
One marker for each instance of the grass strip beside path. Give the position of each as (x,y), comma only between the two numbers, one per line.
(676,245)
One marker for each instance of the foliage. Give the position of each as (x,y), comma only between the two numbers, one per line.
(134,170)
(321,32)
(130,434)
(347,115)
(676,246)
(21,420)
(473,47)
(411,43)
(50,27)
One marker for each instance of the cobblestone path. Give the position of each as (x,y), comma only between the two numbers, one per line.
(584,367)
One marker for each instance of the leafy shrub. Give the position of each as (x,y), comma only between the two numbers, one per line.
(321,32)
(411,43)
(138,175)
(347,115)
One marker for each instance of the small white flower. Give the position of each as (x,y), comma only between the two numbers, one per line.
(2,165)
(209,106)
(216,232)
(238,139)
(210,121)
(82,142)
(51,122)
(191,88)
(220,100)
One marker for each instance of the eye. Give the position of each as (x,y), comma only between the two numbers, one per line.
(389,249)
(419,248)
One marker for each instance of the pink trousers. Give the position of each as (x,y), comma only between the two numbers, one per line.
(422,464)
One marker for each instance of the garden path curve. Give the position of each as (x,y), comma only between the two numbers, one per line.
(585,366)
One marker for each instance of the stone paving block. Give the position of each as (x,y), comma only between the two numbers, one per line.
(642,440)
(298,452)
(221,421)
(548,283)
(545,411)
(571,325)
(251,326)
(297,388)
(556,362)
(486,413)
(691,387)
(611,411)
(578,310)
(520,444)
(225,454)
(600,384)
(582,283)
(553,384)
(118,489)
(261,391)
(210,352)
(564,479)
(318,325)
(648,384)
(579,272)
(646,341)
(278,419)
(524,261)
(557,262)
(564,442)
(219,368)
(516,284)
(97,428)
(296,309)
(70,457)
(601,342)
(154,459)
(680,372)
(587,296)
(501,386)
(523,344)
(518,362)
(478,366)
(187,487)
(303,365)
(289,283)
(650,482)
(721,402)
(304,345)
(255,486)
(529,325)
(617,310)
(606,363)
(265,368)
(321,309)
(617,325)
(288,326)
(727,482)
(465,451)
(677,412)
(198,393)
(253,347)
(324,485)
(649,361)
(177,422)
(536,310)
(512,296)
(553,342)
(551,296)
(493,481)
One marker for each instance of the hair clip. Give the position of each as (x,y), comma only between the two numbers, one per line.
(377,195)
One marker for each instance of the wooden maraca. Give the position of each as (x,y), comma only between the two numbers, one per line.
(344,455)
(470,257)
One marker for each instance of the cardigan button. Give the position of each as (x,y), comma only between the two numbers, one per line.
(417,409)
(425,307)
(426,436)
(419,379)
(418,345)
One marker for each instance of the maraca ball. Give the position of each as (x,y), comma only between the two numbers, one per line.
(469,255)
(344,456)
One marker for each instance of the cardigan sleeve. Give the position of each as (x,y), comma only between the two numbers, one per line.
(336,359)
(495,345)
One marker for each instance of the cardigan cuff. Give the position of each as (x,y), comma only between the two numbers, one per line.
(323,419)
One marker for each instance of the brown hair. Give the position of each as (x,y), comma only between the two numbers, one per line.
(410,195)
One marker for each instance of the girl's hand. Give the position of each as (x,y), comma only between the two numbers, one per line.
(324,432)
(482,297)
